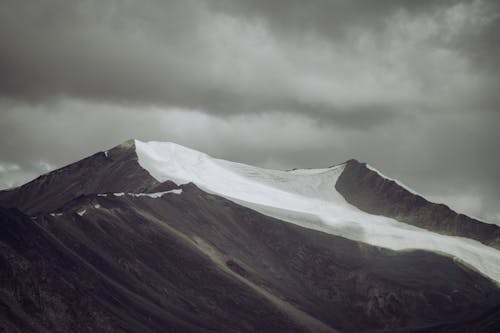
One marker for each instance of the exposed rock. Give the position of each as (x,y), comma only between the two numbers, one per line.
(115,171)
(196,262)
(369,191)
(191,261)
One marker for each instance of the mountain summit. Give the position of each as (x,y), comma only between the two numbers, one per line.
(154,236)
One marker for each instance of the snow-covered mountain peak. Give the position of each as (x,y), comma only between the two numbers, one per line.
(166,146)
(306,197)
(170,161)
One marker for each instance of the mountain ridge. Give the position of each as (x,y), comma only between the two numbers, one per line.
(133,252)
(370,191)
(125,168)
(311,198)
(128,238)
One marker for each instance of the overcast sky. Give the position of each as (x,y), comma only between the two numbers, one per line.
(411,87)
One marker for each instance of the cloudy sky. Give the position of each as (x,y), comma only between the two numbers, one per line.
(411,87)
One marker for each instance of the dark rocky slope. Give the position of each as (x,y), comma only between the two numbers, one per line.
(196,262)
(116,170)
(488,322)
(369,191)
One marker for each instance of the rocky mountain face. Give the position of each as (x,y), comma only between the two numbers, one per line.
(115,170)
(101,246)
(371,192)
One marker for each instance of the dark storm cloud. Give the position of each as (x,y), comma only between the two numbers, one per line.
(192,53)
(410,86)
(99,50)
(331,19)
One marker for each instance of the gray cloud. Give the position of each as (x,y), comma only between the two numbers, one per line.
(409,86)
(223,56)
(327,18)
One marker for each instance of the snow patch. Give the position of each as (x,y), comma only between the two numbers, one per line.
(150,195)
(102,195)
(305,197)
(81,212)
(106,154)
(97,206)
(156,194)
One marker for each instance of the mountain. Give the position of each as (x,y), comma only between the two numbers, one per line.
(321,199)
(372,192)
(156,237)
(115,170)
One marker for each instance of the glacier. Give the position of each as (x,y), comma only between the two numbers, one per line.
(306,197)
